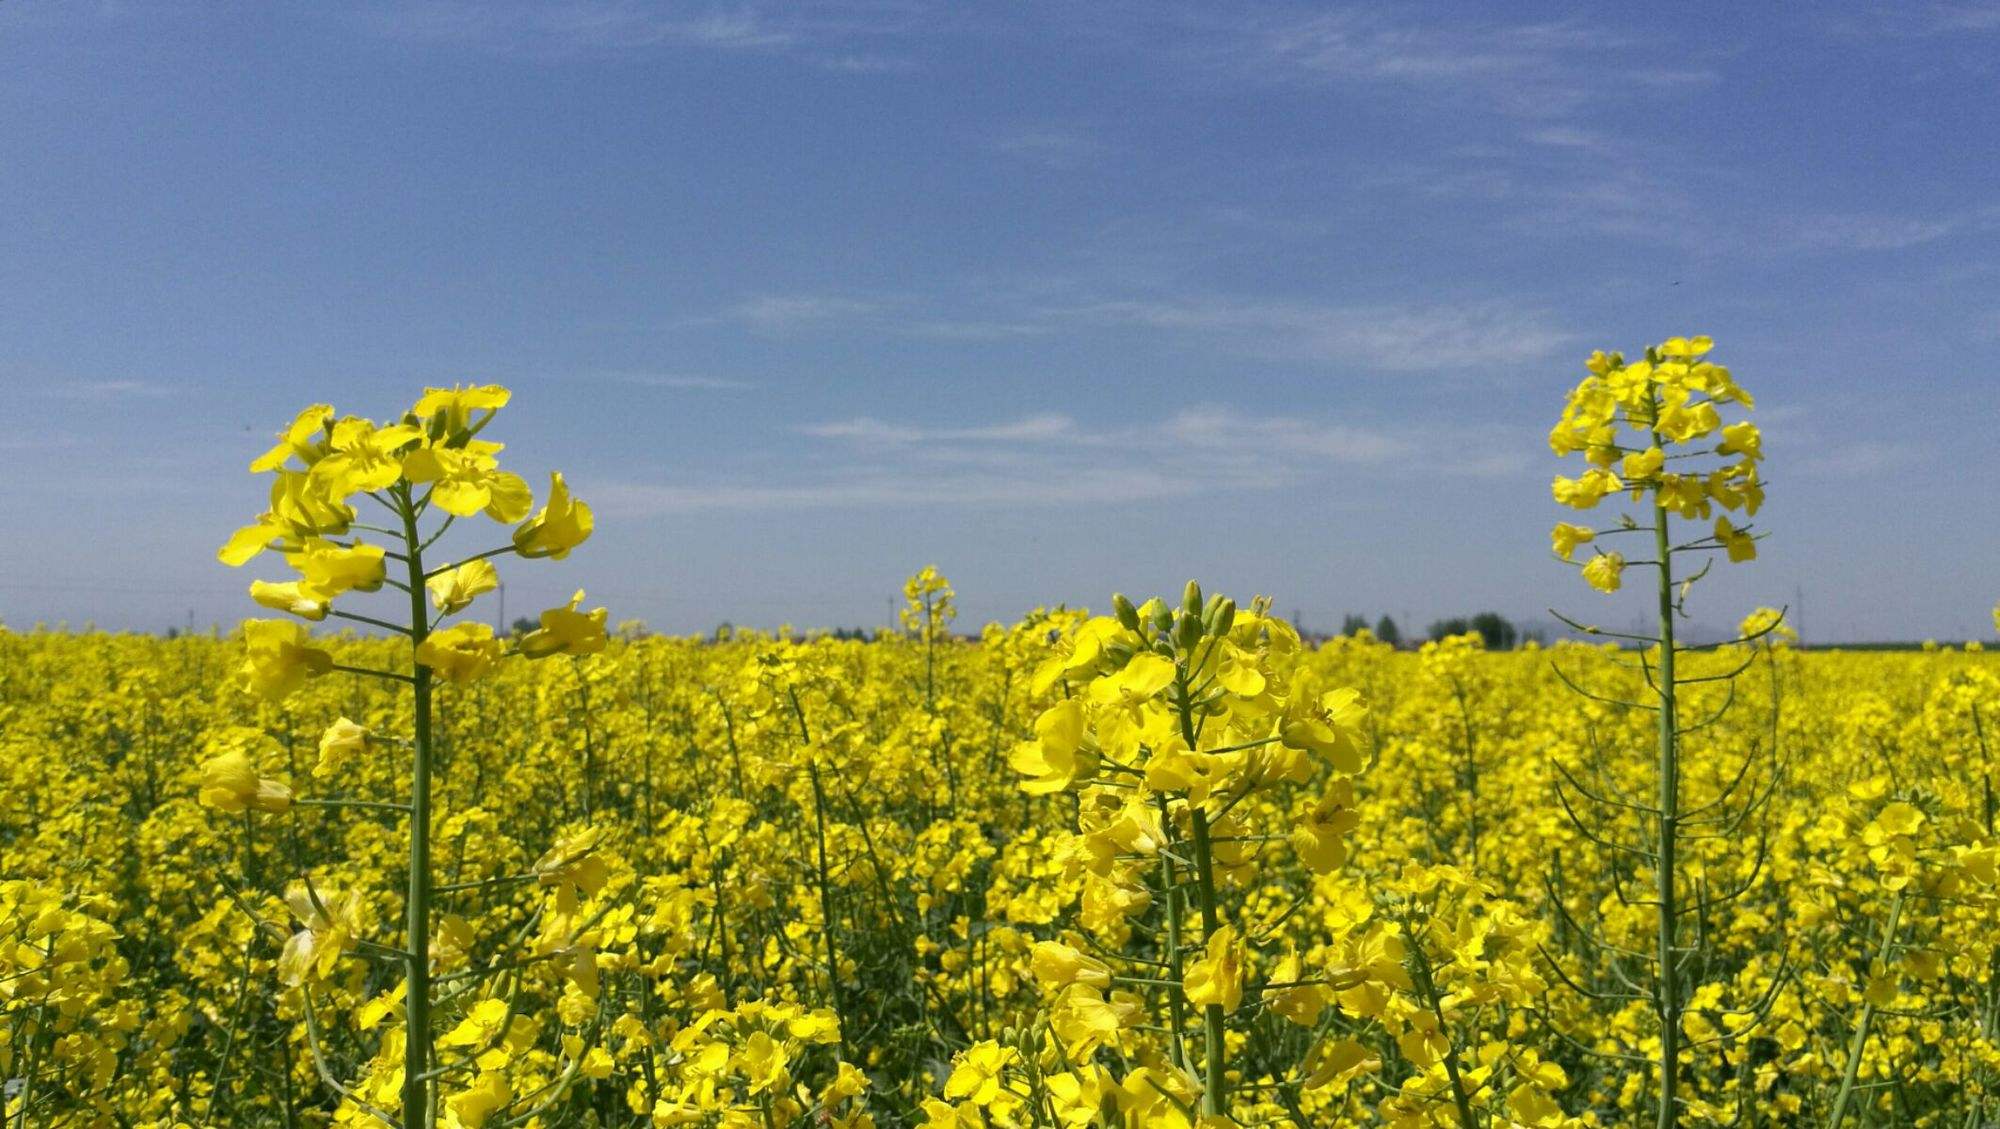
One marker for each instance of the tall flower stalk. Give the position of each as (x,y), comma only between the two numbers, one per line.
(428,463)
(1638,424)
(1178,729)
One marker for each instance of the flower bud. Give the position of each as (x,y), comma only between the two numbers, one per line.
(1128,616)
(1225,618)
(1156,611)
(1187,630)
(1191,598)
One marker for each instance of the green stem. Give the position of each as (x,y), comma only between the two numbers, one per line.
(1214,1096)
(1667,989)
(1170,896)
(1847,1076)
(826,899)
(1420,963)
(417,997)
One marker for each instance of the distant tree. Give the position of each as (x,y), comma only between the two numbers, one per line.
(1387,631)
(724,632)
(1440,628)
(1354,625)
(523,625)
(1496,629)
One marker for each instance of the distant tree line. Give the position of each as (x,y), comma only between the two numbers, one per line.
(1496,630)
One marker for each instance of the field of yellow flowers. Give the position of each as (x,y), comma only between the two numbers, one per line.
(1167,865)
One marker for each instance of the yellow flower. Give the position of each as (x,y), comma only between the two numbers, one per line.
(1740,545)
(1338,1061)
(1138,681)
(337,745)
(1584,492)
(562,525)
(1643,464)
(1329,728)
(1217,978)
(1566,537)
(1300,1003)
(763,1062)
(474,1105)
(468,480)
(1057,965)
(1742,439)
(327,570)
(454,589)
(573,867)
(449,410)
(978,1076)
(363,457)
(277,659)
(1603,572)
(290,596)
(230,783)
(331,922)
(462,652)
(304,438)
(1321,840)
(566,631)
(1062,752)
(300,509)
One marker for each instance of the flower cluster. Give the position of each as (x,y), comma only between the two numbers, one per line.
(1638,424)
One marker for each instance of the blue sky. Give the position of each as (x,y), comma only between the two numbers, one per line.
(1063,298)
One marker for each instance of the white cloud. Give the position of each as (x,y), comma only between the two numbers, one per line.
(785,312)
(1051,460)
(1858,458)
(836,35)
(577,25)
(866,429)
(104,389)
(681,382)
(1535,70)
(1867,232)
(1395,338)
(1219,429)
(1088,486)
(1052,146)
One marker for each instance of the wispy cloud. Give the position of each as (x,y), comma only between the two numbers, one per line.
(785,312)
(1866,232)
(833,34)
(1858,458)
(680,382)
(1195,451)
(1388,337)
(105,389)
(1378,336)
(1536,70)
(1966,17)
(1921,21)
(868,489)
(580,25)
(1037,428)
(1055,147)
